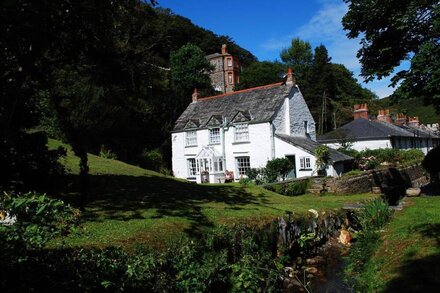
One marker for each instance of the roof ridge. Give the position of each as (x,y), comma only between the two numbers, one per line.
(241,91)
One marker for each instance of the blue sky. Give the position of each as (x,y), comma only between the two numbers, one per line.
(266,27)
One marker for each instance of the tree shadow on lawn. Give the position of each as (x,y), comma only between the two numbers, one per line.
(421,274)
(119,197)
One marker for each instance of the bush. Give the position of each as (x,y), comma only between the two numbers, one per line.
(277,168)
(289,188)
(297,188)
(373,217)
(107,153)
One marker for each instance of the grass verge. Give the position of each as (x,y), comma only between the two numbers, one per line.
(408,257)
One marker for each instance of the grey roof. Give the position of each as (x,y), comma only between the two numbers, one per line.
(367,129)
(309,146)
(210,56)
(256,105)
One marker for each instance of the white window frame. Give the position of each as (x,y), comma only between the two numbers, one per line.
(229,62)
(218,165)
(214,136)
(242,165)
(241,132)
(305,163)
(191,138)
(192,166)
(230,78)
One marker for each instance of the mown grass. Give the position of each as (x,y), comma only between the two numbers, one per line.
(128,205)
(408,258)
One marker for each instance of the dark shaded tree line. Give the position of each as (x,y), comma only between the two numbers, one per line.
(93,73)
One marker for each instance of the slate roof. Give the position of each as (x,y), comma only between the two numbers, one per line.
(258,104)
(309,146)
(361,128)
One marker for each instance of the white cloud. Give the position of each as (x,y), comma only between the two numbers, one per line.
(325,27)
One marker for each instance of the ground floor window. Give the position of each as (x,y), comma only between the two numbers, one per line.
(192,167)
(218,165)
(243,165)
(304,163)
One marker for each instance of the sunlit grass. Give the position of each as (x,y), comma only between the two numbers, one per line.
(130,205)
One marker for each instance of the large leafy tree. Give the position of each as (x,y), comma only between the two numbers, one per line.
(392,31)
(299,56)
(189,70)
(261,73)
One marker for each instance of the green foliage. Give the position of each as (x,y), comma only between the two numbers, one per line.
(261,73)
(370,219)
(26,161)
(299,56)
(374,215)
(276,168)
(393,33)
(107,153)
(371,159)
(297,188)
(153,160)
(37,219)
(289,188)
(233,259)
(189,70)
(322,155)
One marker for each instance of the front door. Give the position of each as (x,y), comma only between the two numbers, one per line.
(292,173)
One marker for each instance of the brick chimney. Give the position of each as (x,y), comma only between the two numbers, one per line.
(384,116)
(224,46)
(195,96)
(414,122)
(290,78)
(360,111)
(400,119)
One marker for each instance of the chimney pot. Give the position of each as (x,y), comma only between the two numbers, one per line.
(384,116)
(414,122)
(195,96)
(290,79)
(400,119)
(224,46)
(360,111)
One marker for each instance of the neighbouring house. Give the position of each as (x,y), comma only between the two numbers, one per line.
(383,132)
(233,132)
(226,73)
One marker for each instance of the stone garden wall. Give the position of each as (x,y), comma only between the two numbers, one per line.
(379,180)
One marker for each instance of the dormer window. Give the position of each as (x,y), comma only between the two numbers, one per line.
(241,132)
(191,138)
(214,136)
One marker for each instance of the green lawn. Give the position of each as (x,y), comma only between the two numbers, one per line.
(129,205)
(408,259)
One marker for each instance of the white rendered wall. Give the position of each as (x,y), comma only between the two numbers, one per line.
(283,149)
(258,149)
(365,144)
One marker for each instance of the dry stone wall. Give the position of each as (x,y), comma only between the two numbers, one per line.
(412,176)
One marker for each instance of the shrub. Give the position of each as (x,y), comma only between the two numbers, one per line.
(322,155)
(107,153)
(297,187)
(276,168)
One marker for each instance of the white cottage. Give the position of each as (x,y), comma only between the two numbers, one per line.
(245,129)
(366,133)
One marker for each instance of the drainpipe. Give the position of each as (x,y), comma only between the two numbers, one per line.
(223,143)
(272,140)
